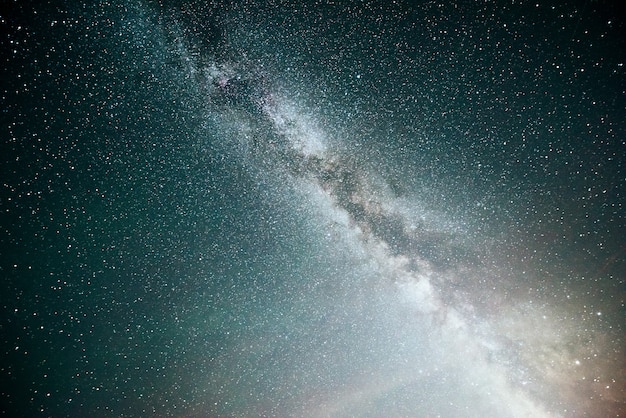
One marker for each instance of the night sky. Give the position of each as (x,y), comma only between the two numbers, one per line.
(313,209)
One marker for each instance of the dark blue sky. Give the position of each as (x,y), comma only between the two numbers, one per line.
(233,208)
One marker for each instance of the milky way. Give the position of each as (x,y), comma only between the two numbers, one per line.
(318,211)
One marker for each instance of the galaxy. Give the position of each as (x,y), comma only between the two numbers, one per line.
(313,209)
